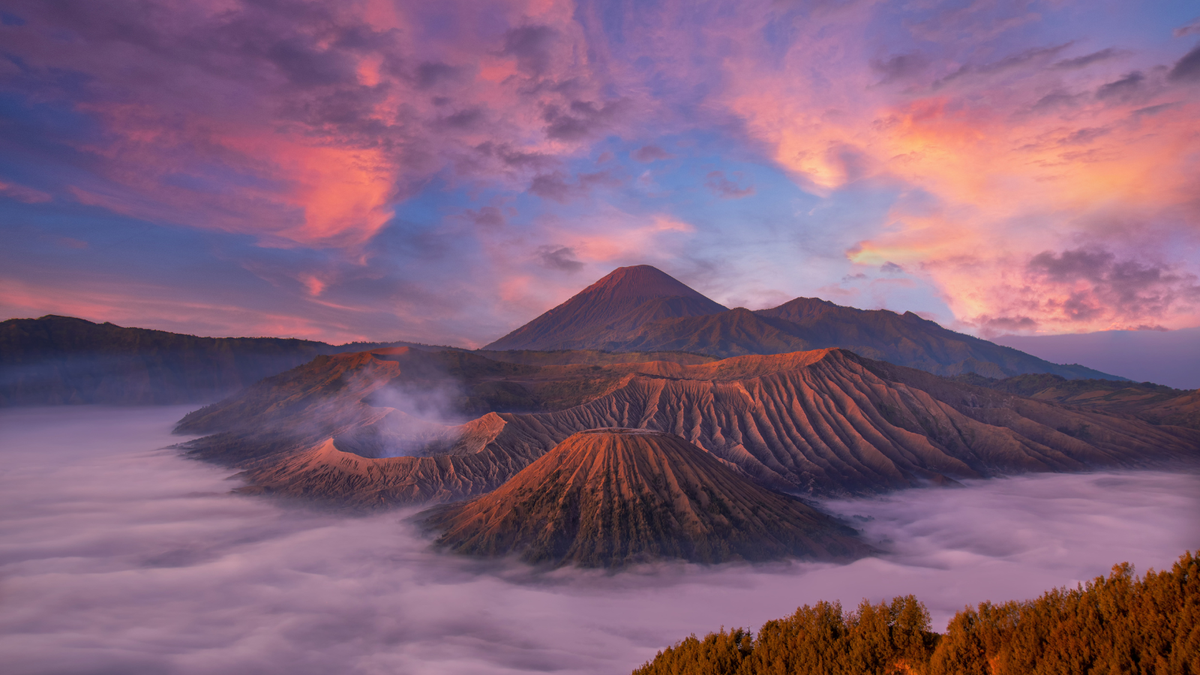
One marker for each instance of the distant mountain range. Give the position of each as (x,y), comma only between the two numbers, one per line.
(59,360)
(1163,357)
(643,309)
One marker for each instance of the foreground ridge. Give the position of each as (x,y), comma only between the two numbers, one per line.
(616,497)
(1115,624)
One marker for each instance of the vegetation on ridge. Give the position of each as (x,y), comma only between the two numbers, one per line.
(1115,624)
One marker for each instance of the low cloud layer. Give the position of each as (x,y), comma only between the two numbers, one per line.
(117,557)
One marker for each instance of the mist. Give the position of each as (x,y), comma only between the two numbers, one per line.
(117,555)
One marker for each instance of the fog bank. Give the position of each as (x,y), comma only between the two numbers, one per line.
(119,557)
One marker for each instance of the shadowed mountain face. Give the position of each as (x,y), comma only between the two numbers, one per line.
(615,497)
(59,360)
(823,422)
(636,309)
(625,299)
(1153,403)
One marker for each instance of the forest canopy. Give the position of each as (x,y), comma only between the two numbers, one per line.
(1115,624)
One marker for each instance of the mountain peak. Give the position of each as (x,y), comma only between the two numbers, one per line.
(641,281)
(626,298)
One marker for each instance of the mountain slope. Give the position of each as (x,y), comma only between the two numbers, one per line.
(1153,403)
(908,340)
(615,497)
(58,360)
(642,309)
(625,299)
(824,422)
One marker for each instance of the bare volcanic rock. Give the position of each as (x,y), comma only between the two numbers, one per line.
(620,302)
(615,497)
(824,422)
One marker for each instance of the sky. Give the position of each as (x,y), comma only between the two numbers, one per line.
(117,556)
(443,172)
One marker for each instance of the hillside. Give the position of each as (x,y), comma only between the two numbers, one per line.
(59,360)
(616,497)
(1153,403)
(638,309)
(1115,624)
(824,422)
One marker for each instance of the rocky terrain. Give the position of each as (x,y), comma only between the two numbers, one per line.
(822,422)
(616,497)
(1147,401)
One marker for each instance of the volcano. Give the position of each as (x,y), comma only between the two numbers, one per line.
(617,304)
(615,497)
(642,309)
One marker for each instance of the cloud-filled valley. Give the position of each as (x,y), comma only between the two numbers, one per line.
(117,555)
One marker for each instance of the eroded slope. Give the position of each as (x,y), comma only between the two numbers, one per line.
(824,422)
(615,497)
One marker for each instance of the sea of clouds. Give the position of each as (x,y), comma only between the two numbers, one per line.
(119,556)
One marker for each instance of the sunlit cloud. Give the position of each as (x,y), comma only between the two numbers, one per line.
(960,143)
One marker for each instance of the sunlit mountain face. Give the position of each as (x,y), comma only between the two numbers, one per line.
(444,172)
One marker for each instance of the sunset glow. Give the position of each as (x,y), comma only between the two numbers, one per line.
(443,172)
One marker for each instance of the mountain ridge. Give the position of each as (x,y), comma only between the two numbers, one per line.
(585,322)
(823,422)
(54,360)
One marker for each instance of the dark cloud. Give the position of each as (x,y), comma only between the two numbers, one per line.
(890,267)
(579,119)
(900,66)
(1187,69)
(1085,136)
(1055,100)
(560,258)
(469,118)
(1088,59)
(513,157)
(1127,286)
(1027,58)
(1123,88)
(431,73)
(557,187)
(125,559)
(723,187)
(531,45)
(650,153)
(486,216)
(1150,111)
